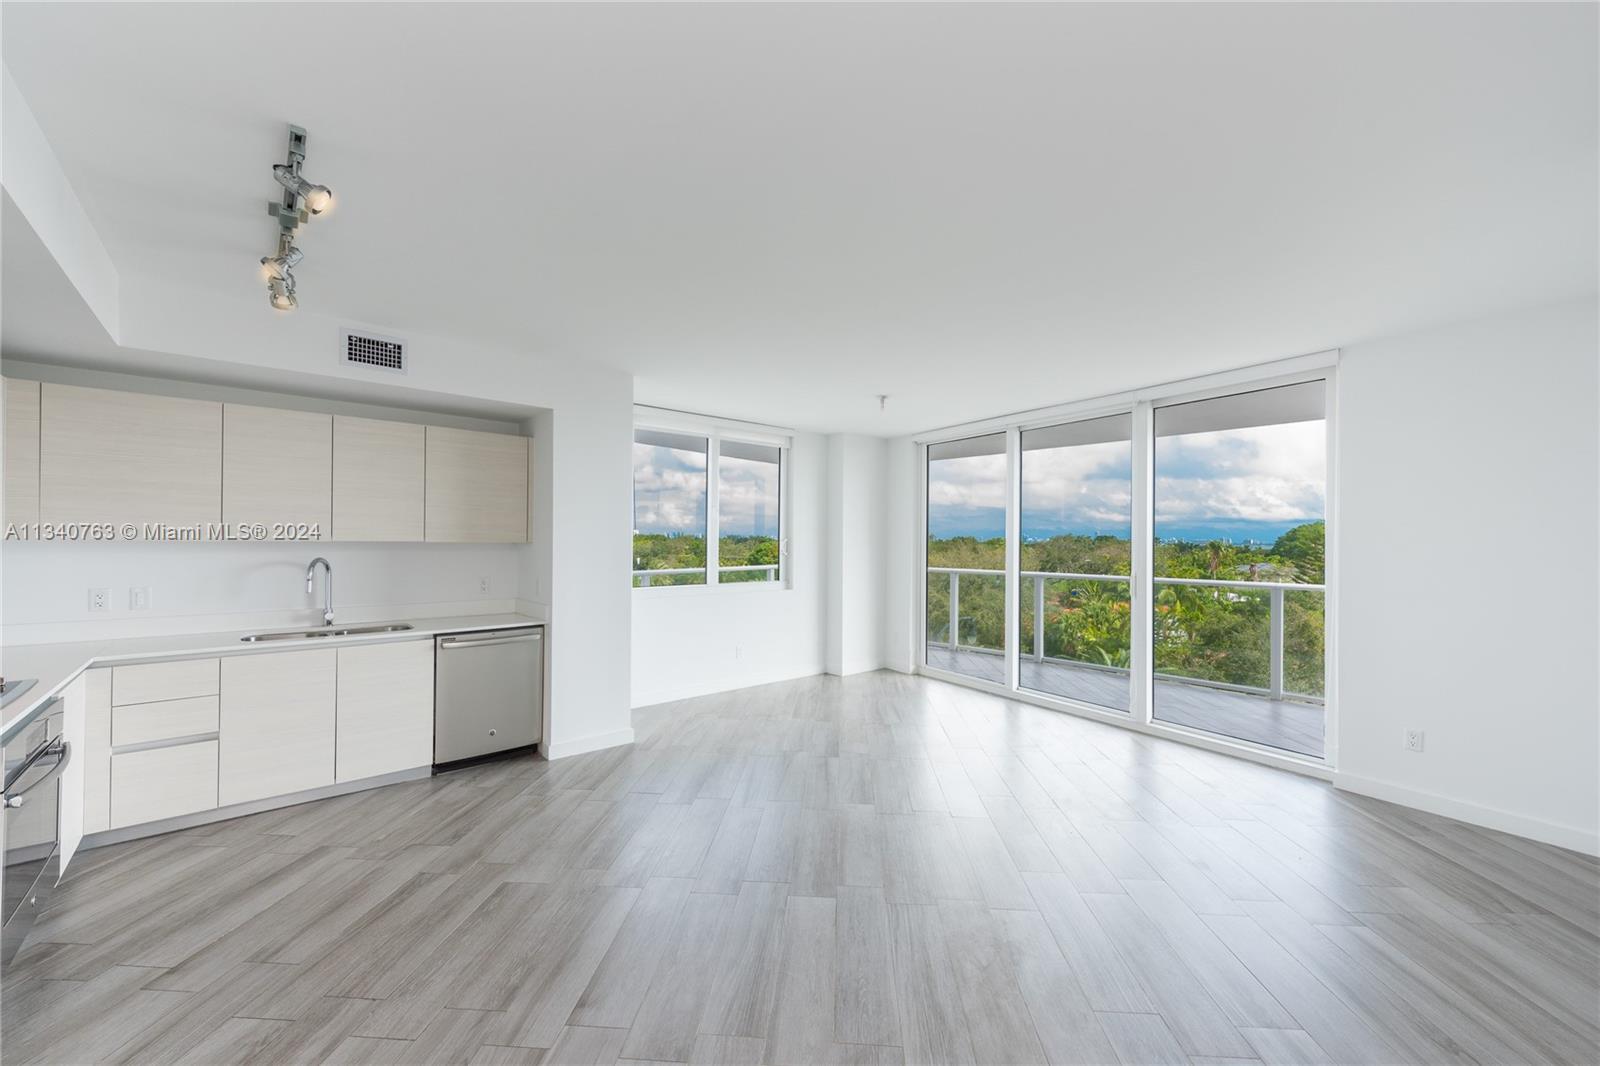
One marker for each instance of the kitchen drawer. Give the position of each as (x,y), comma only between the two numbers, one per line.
(139,723)
(157,783)
(149,682)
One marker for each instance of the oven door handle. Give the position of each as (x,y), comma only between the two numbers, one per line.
(59,748)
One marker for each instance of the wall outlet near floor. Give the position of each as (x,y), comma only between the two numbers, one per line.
(483,584)
(99,599)
(1413,740)
(139,598)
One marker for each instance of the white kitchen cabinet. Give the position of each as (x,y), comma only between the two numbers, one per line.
(156,783)
(19,500)
(146,723)
(377,479)
(97,751)
(128,457)
(176,680)
(277,468)
(476,486)
(277,723)
(385,708)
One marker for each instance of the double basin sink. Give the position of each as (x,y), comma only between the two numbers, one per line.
(307,634)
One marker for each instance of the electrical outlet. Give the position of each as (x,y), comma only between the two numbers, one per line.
(99,599)
(139,598)
(483,584)
(1413,740)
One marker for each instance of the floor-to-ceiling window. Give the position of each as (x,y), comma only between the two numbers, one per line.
(1074,598)
(966,526)
(1240,489)
(1169,563)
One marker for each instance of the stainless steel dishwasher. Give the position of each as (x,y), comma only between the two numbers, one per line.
(488,693)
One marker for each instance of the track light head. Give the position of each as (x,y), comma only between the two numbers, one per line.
(279,266)
(318,198)
(280,293)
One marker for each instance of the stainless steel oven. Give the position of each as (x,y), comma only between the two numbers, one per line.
(30,831)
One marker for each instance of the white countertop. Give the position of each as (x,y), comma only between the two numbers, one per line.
(55,665)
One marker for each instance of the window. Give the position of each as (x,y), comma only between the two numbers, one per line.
(1160,556)
(691,528)
(669,508)
(1075,607)
(966,605)
(749,506)
(1237,631)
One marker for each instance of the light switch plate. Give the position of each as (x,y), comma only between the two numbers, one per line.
(139,598)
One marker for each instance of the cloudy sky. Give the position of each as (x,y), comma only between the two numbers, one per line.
(1236,484)
(669,493)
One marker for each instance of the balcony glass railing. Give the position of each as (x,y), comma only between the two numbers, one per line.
(1258,637)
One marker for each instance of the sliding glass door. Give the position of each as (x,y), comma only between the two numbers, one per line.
(1239,549)
(1074,601)
(1167,562)
(966,577)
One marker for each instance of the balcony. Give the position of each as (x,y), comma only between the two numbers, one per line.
(1250,697)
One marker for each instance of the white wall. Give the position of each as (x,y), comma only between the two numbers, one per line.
(213,587)
(857,552)
(902,644)
(689,641)
(1468,536)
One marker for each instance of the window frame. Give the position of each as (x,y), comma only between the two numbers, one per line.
(1141,404)
(716,431)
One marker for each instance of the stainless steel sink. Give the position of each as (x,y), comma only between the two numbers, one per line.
(307,634)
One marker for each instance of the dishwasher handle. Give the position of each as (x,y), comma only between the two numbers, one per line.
(447,643)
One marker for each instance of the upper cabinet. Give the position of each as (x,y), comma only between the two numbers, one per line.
(477,486)
(128,457)
(199,467)
(19,500)
(377,479)
(277,468)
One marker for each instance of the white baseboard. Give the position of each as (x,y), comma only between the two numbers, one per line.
(592,742)
(1562,836)
(674,693)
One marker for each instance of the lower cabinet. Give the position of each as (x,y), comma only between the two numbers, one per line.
(277,727)
(187,735)
(157,783)
(385,709)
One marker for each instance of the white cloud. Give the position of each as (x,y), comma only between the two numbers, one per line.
(669,490)
(1263,473)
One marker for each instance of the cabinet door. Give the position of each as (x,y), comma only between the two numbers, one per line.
(107,456)
(385,708)
(19,501)
(277,723)
(377,479)
(277,467)
(157,783)
(477,486)
(97,750)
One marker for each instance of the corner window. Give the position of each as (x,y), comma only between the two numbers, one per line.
(692,528)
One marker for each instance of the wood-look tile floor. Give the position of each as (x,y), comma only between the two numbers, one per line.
(879,869)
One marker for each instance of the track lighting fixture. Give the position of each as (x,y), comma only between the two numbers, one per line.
(280,293)
(301,200)
(318,198)
(279,266)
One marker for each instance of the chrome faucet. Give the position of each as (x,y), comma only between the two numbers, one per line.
(327,587)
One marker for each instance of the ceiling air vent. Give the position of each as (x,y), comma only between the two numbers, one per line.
(374,352)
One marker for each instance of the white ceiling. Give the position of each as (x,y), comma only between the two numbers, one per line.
(777,212)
